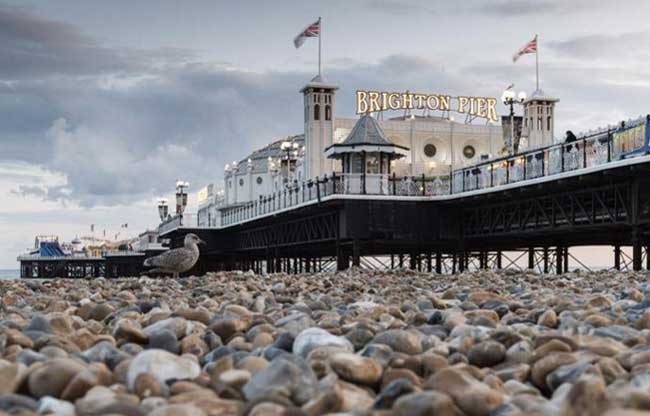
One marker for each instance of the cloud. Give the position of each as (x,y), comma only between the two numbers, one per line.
(604,47)
(33,46)
(515,8)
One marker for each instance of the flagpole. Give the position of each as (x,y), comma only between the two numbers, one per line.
(320,35)
(537,63)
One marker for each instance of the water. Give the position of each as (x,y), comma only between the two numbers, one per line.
(9,274)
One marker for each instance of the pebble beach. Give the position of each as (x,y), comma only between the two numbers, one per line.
(357,342)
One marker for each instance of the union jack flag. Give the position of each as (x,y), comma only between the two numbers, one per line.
(311,31)
(530,47)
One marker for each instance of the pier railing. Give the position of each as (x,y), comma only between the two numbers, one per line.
(588,151)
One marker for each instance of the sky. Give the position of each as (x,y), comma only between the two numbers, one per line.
(103,105)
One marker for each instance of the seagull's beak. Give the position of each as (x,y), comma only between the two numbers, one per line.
(202,242)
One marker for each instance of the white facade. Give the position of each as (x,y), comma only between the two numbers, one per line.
(539,120)
(436,146)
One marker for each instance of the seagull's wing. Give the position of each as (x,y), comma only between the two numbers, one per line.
(169,259)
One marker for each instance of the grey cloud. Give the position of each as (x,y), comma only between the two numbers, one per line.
(33,46)
(604,47)
(527,7)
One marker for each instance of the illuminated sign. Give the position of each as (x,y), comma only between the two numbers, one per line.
(373,101)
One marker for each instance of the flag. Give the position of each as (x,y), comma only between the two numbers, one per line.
(530,47)
(311,31)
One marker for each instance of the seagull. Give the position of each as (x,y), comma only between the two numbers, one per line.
(177,260)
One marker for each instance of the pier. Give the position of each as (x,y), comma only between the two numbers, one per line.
(537,204)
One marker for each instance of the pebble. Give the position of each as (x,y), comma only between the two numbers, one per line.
(355,342)
(312,338)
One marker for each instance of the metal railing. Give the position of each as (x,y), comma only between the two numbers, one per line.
(177,221)
(586,152)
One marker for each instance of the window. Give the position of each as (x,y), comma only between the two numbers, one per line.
(539,123)
(241,182)
(229,184)
(372,163)
(328,112)
(548,123)
(469,151)
(259,180)
(317,112)
(430,150)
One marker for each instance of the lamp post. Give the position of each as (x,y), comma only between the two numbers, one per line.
(509,98)
(289,147)
(163,209)
(181,196)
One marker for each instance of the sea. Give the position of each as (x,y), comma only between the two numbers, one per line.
(9,274)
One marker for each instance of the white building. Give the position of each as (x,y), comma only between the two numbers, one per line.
(436,144)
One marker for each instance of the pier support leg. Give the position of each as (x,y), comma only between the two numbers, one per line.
(499,260)
(429,263)
(413,261)
(566,259)
(438,262)
(453,263)
(356,253)
(401,260)
(559,259)
(461,262)
(647,257)
(531,258)
(617,257)
(342,259)
(636,251)
(545,259)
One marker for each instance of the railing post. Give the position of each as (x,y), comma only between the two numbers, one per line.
(333,183)
(562,156)
(525,163)
(476,179)
(318,189)
(491,175)
(507,171)
(584,153)
(609,145)
(451,180)
(394,184)
(424,186)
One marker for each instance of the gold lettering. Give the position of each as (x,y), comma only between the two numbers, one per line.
(481,105)
(491,109)
(462,104)
(407,100)
(445,102)
(433,102)
(384,98)
(472,105)
(420,101)
(373,98)
(393,101)
(362,104)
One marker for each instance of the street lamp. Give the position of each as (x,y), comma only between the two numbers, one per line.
(181,196)
(289,147)
(510,98)
(163,209)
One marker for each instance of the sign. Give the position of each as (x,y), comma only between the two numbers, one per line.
(373,101)
(205,193)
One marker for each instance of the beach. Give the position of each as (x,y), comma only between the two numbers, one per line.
(356,342)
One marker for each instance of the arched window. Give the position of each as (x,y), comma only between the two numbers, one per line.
(548,123)
(328,112)
(317,112)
